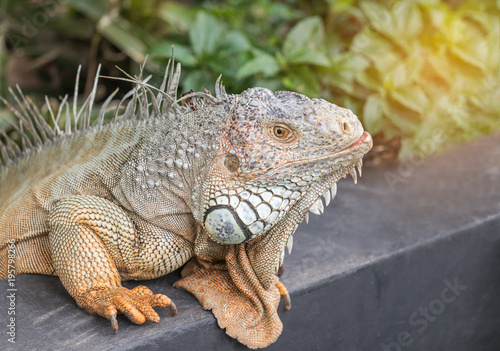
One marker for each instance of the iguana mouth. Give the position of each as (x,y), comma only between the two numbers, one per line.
(365,137)
(364,142)
(360,140)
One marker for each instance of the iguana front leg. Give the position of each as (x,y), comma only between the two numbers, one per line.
(93,242)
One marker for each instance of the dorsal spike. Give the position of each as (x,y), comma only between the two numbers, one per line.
(11,148)
(18,127)
(143,92)
(100,119)
(5,155)
(154,103)
(19,104)
(174,83)
(92,95)
(171,63)
(46,131)
(131,106)
(23,115)
(220,91)
(55,121)
(79,114)
(75,97)
(190,95)
(67,129)
(142,102)
(25,141)
(67,123)
(119,106)
(163,85)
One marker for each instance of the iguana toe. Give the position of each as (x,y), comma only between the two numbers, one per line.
(112,318)
(287,302)
(126,305)
(136,304)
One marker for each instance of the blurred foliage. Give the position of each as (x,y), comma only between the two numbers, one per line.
(424,71)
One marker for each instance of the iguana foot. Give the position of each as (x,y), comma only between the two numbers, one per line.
(136,304)
(287,302)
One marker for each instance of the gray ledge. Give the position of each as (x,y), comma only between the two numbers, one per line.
(405,260)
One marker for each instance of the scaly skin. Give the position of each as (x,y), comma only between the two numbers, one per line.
(221,182)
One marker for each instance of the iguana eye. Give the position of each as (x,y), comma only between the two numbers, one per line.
(281,132)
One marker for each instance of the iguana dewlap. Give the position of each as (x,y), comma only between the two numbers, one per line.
(221,182)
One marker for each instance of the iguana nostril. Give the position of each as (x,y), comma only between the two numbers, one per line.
(346,128)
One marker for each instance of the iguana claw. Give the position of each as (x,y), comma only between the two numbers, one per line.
(287,302)
(173,309)
(281,270)
(114,323)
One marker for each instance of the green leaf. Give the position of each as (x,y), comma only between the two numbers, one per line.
(408,19)
(116,29)
(197,80)
(399,76)
(415,64)
(475,55)
(3,61)
(340,5)
(311,57)
(343,70)
(377,15)
(273,84)
(182,53)
(263,63)
(120,34)
(370,78)
(403,119)
(236,41)
(305,43)
(7,119)
(205,34)
(493,57)
(411,96)
(441,68)
(372,113)
(303,80)
(92,8)
(282,11)
(437,16)
(379,49)
(178,16)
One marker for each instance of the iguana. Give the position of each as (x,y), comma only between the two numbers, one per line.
(218,182)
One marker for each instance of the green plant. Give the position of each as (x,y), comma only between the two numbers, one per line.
(249,43)
(425,71)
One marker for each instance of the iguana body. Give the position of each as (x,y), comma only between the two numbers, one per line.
(222,180)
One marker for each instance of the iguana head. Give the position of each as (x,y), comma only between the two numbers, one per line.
(278,153)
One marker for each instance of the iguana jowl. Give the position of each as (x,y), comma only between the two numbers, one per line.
(221,182)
